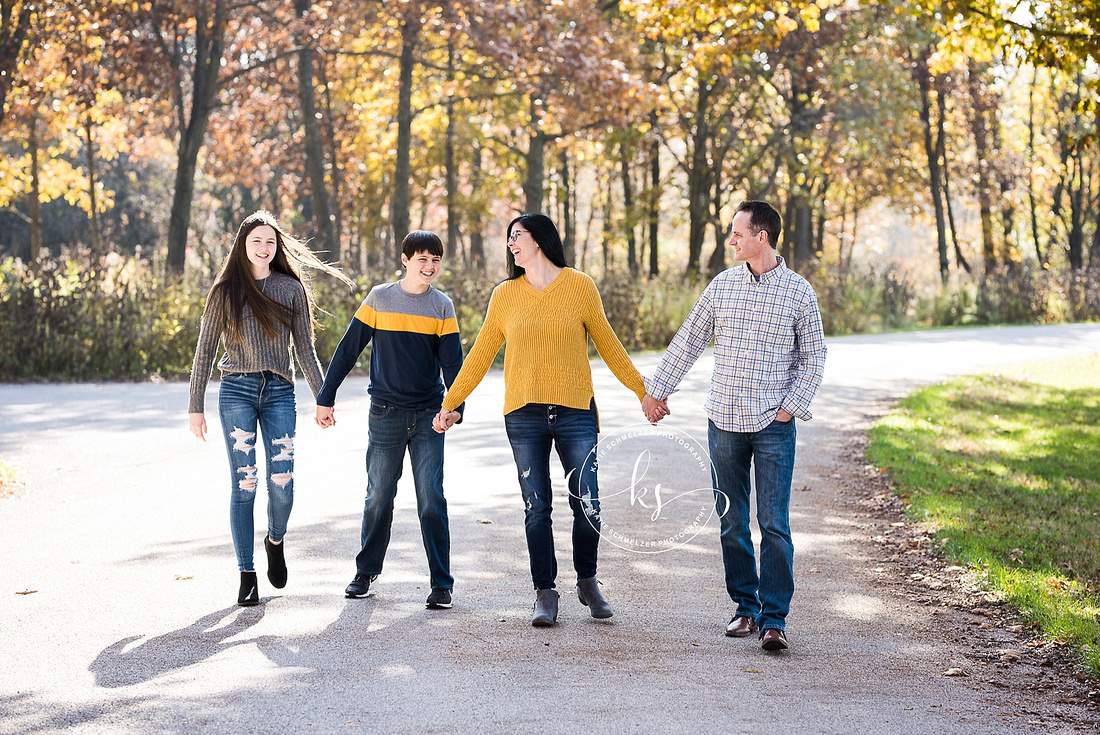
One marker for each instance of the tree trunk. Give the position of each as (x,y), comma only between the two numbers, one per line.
(786,245)
(699,181)
(315,155)
(1031,168)
(535,167)
(451,181)
(654,201)
(476,254)
(605,232)
(334,159)
(209,44)
(34,203)
(13,35)
(1076,237)
(922,77)
(980,130)
(628,211)
(941,154)
(717,261)
(93,213)
(402,175)
(819,231)
(803,233)
(569,214)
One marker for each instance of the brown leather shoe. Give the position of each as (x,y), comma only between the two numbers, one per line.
(773,640)
(740,627)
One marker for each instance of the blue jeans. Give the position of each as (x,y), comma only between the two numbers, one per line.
(531,431)
(390,432)
(766,598)
(244,400)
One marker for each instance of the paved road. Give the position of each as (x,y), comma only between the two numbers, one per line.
(121,540)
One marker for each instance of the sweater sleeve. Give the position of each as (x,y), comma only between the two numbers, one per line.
(691,339)
(347,353)
(608,344)
(450,350)
(480,359)
(302,337)
(205,353)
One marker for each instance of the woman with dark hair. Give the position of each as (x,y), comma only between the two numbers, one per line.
(545,312)
(259,309)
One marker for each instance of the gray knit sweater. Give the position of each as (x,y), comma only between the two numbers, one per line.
(257,351)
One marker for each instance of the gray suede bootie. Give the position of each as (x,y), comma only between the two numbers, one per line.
(588,592)
(546,608)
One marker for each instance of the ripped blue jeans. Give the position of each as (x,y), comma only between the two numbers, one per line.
(245,400)
(532,431)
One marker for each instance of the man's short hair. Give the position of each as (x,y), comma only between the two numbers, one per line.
(419,241)
(762,216)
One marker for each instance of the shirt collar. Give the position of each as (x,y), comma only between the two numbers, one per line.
(774,274)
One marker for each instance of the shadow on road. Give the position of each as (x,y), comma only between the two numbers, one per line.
(119,666)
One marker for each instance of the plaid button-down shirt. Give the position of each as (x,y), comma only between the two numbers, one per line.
(769,348)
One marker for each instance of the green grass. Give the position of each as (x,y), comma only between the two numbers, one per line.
(1003,468)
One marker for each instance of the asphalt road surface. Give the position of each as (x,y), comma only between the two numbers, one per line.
(118,583)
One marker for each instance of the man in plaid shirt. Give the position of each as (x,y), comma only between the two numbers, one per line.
(769,357)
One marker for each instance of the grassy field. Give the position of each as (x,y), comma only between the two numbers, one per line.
(1004,469)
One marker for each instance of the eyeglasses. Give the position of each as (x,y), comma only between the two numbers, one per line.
(515,235)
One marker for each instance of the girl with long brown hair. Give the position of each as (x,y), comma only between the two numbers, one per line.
(260,310)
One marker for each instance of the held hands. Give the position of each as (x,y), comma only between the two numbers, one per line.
(324,417)
(445,419)
(654,410)
(198,425)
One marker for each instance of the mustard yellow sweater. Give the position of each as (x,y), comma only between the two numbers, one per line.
(546,360)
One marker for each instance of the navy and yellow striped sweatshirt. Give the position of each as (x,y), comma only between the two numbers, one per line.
(415,341)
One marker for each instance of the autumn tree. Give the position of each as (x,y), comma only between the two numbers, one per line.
(193,53)
(17,18)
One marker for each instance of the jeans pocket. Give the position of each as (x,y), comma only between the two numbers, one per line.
(379,411)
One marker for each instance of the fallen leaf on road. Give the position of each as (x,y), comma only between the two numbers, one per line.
(1010,654)
(26,592)
(803,489)
(482,520)
(1070,700)
(955,672)
(753,671)
(180,578)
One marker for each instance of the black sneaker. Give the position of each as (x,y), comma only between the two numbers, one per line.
(359,586)
(439,599)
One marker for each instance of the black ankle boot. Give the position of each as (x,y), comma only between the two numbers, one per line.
(276,563)
(250,593)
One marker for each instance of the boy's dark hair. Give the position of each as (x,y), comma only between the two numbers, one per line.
(419,241)
(544,233)
(762,216)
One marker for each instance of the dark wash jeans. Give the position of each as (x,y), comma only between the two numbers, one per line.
(390,432)
(532,430)
(245,400)
(766,597)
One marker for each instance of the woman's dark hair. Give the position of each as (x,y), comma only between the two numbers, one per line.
(235,286)
(545,234)
(420,241)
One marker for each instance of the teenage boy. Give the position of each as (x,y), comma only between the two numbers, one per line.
(416,340)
